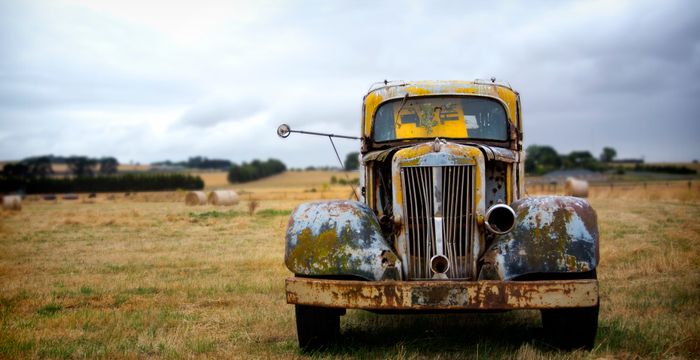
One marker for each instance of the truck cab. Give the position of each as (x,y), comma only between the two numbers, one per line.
(442,222)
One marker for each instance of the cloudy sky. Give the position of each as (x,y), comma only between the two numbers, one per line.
(153,80)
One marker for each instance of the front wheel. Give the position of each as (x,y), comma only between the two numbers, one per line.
(572,328)
(317,327)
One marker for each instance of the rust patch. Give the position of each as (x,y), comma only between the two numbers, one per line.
(442,295)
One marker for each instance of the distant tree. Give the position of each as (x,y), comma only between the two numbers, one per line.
(580,159)
(39,166)
(81,165)
(200,162)
(352,161)
(108,165)
(15,170)
(541,159)
(608,154)
(254,170)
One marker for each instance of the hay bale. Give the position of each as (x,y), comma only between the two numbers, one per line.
(196,198)
(576,187)
(12,202)
(70,197)
(223,197)
(49,197)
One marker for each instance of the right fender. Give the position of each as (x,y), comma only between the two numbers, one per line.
(552,234)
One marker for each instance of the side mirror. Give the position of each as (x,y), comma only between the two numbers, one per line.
(283,130)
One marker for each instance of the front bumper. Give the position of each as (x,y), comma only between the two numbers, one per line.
(441,294)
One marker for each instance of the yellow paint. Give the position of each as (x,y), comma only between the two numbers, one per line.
(417,91)
(466,90)
(430,88)
(396,180)
(439,128)
(510,98)
(509,189)
(405,155)
(372,101)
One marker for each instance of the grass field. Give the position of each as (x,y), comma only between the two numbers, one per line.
(146,276)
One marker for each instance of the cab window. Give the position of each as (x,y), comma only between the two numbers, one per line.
(444,117)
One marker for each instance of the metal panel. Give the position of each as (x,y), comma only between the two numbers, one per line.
(439,212)
(330,238)
(442,295)
(552,234)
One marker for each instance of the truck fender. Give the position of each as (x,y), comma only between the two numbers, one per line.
(339,238)
(552,234)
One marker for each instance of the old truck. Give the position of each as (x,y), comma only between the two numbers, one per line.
(442,223)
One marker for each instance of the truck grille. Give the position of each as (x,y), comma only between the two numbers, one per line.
(455,204)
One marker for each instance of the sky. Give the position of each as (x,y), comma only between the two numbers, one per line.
(147,81)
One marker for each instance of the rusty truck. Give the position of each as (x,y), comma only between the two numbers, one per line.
(442,222)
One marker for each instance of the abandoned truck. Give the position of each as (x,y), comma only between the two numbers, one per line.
(443,223)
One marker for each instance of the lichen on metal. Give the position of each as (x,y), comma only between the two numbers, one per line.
(334,238)
(553,234)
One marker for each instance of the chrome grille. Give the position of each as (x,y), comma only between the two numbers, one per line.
(447,189)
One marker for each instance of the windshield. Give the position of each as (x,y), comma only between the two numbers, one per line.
(447,117)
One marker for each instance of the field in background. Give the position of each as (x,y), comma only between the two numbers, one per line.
(146,276)
(306,180)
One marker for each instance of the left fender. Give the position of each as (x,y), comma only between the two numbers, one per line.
(339,238)
(552,234)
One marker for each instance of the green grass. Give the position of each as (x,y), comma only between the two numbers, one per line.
(49,310)
(273,212)
(214,214)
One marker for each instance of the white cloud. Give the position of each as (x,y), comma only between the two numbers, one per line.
(154,80)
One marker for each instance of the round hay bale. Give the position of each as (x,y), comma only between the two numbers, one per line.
(576,187)
(223,197)
(196,198)
(70,197)
(12,202)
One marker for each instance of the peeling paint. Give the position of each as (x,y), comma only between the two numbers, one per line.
(338,238)
(553,234)
(447,154)
(442,295)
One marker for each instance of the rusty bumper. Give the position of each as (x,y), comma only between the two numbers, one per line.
(442,295)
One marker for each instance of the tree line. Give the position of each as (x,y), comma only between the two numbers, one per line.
(42,166)
(198,162)
(541,159)
(255,170)
(101,183)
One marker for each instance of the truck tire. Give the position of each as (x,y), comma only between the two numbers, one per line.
(317,327)
(572,328)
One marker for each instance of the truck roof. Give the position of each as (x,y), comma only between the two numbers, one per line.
(385,91)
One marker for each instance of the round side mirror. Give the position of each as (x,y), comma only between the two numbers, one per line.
(283,130)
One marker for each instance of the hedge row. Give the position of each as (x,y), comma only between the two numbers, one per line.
(255,170)
(104,183)
(668,169)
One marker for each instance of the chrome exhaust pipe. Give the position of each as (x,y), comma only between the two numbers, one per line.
(439,265)
(500,219)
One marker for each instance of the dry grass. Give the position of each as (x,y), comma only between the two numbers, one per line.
(687,191)
(146,276)
(290,185)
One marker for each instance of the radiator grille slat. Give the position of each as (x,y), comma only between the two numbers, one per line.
(458,219)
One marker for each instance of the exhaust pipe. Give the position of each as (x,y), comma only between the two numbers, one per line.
(439,264)
(500,219)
